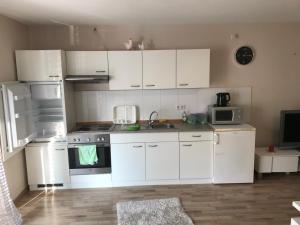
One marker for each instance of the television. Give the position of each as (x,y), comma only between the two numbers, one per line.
(289,129)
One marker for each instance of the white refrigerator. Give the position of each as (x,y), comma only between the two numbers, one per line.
(234,150)
(32,111)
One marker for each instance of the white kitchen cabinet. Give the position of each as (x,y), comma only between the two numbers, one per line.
(193,68)
(47,164)
(159,69)
(40,65)
(87,63)
(128,162)
(162,161)
(125,70)
(196,160)
(234,156)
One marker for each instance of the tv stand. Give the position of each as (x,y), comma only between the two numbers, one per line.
(286,161)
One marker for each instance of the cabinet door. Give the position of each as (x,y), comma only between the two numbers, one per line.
(234,157)
(193,66)
(196,160)
(39,65)
(20,127)
(87,63)
(128,162)
(47,164)
(125,70)
(57,164)
(159,69)
(162,161)
(35,162)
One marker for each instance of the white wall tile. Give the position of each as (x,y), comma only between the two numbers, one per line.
(151,102)
(134,98)
(169,101)
(189,98)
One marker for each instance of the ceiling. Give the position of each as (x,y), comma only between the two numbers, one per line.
(117,12)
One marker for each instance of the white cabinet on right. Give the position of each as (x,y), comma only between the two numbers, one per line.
(196,159)
(234,155)
(193,68)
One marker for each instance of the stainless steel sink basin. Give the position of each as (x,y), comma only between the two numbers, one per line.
(161,126)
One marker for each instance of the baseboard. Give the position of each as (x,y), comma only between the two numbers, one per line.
(21,194)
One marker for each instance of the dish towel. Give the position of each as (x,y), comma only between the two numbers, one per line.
(87,155)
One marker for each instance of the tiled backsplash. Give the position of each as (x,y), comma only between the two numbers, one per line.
(98,105)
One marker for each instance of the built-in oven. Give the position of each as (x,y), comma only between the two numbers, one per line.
(101,166)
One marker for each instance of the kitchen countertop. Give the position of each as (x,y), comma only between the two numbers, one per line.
(179,127)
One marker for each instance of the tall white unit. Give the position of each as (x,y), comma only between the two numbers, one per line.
(40,65)
(234,149)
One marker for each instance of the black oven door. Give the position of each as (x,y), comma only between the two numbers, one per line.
(103,165)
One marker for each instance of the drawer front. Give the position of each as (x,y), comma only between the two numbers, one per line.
(144,137)
(196,136)
(285,164)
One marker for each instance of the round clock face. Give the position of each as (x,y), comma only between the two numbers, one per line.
(244,55)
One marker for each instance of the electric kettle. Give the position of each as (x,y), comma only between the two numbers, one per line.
(223,99)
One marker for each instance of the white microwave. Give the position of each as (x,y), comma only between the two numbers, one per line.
(225,115)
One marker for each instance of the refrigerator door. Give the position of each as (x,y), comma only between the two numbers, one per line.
(234,157)
(18,114)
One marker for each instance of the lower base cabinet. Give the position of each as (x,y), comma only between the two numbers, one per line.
(196,160)
(162,161)
(47,164)
(128,162)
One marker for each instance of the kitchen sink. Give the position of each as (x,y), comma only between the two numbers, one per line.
(161,126)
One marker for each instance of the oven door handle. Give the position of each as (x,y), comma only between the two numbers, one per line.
(97,145)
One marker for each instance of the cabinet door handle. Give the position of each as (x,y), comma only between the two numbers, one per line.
(59,149)
(197,135)
(189,145)
(137,146)
(217,139)
(183,84)
(150,85)
(152,146)
(135,86)
(53,76)
(100,71)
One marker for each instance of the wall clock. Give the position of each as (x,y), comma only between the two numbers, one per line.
(244,55)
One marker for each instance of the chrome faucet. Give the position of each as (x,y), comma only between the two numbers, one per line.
(151,121)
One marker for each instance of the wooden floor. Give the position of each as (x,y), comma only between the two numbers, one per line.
(267,202)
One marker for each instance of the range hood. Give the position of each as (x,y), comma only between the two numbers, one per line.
(88,78)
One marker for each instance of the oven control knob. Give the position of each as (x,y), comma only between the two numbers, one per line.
(102,139)
(74,139)
(78,139)
(98,139)
(88,140)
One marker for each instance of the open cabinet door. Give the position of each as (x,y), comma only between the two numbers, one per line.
(18,112)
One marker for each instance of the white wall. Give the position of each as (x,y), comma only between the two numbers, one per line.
(98,105)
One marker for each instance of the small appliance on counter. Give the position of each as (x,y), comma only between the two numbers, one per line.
(223,99)
(225,115)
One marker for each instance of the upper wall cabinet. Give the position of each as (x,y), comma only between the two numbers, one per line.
(159,69)
(125,70)
(40,65)
(87,63)
(193,66)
